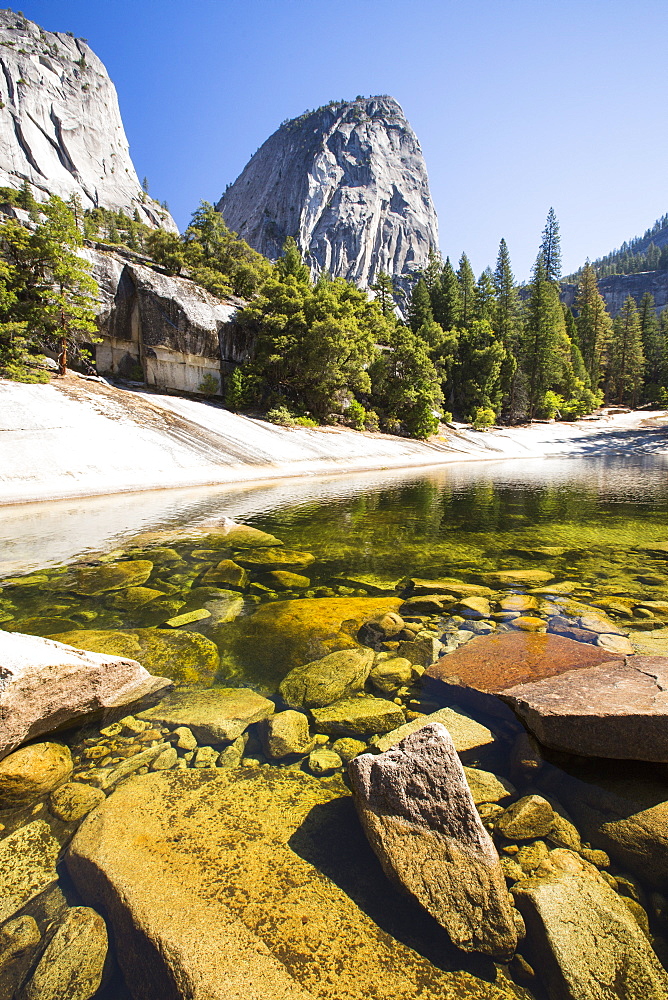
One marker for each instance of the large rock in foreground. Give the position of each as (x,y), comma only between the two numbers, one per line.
(487,666)
(418,813)
(47,685)
(587,943)
(618,709)
(257,883)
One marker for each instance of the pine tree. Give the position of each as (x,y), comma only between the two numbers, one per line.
(446,298)
(291,263)
(432,272)
(419,310)
(508,327)
(594,325)
(383,286)
(466,282)
(625,354)
(485,297)
(653,345)
(550,248)
(544,327)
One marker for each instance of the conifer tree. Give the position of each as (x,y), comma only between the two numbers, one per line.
(420,311)
(594,325)
(446,298)
(550,248)
(432,272)
(466,282)
(625,354)
(485,297)
(653,345)
(383,286)
(507,323)
(544,329)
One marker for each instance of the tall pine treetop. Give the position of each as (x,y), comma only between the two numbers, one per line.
(550,248)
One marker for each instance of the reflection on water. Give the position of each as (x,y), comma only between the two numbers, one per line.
(46,534)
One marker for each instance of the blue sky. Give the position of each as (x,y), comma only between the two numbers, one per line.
(518,104)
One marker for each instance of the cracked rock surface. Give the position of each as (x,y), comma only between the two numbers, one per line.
(60,124)
(349,182)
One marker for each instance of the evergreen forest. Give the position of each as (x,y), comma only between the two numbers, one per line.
(482,350)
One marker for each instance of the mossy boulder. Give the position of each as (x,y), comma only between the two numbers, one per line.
(324,681)
(283,579)
(226,573)
(93,580)
(133,597)
(275,558)
(358,717)
(282,635)
(32,771)
(40,626)
(184,657)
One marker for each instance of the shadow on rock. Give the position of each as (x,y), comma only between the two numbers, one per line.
(332,840)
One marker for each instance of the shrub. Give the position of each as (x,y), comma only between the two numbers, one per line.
(550,405)
(355,415)
(371,421)
(236,390)
(305,422)
(483,417)
(282,416)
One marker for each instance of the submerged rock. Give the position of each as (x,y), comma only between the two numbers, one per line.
(585,941)
(213,715)
(488,665)
(465,732)
(419,816)
(324,681)
(518,577)
(18,942)
(286,733)
(282,635)
(389,675)
(358,717)
(93,580)
(27,865)
(47,685)
(618,709)
(227,573)
(73,961)
(256,883)
(275,558)
(629,828)
(185,657)
(32,771)
(74,800)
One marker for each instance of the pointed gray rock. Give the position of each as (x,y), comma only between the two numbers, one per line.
(418,813)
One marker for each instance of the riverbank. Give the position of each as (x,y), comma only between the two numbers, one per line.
(77,438)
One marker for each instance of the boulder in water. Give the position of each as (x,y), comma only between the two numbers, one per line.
(419,816)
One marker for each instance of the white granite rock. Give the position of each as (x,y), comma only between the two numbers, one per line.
(60,124)
(46,685)
(350,182)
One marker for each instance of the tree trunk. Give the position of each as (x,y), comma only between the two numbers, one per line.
(62,357)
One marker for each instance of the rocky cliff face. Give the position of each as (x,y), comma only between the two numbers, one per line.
(349,182)
(617,287)
(161,329)
(60,125)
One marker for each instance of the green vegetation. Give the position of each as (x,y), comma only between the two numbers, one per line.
(322,351)
(47,295)
(643,253)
